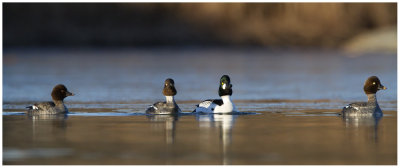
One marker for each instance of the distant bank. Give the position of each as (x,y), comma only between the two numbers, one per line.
(321,25)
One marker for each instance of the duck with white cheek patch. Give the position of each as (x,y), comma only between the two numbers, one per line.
(223,105)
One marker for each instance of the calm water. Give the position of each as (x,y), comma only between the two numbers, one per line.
(290,102)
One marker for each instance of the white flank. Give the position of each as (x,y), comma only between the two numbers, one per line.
(209,107)
(227,107)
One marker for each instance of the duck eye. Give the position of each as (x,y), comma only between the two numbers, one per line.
(373,83)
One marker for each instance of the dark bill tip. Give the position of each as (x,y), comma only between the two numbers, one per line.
(382,87)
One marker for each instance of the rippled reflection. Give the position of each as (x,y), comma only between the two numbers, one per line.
(170,125)
(49,128)
(361,123)
(224,123)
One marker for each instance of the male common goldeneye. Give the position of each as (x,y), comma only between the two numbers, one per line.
(370,108)
(56,107)
(169,106)
(223,105)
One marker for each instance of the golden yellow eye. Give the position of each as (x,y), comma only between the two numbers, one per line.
(373,83)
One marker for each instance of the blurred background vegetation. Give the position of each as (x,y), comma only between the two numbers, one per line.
(321,25)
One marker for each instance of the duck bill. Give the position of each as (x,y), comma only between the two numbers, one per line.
(382,87)
(70,94)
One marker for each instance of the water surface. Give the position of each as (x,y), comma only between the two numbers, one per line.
(291,99)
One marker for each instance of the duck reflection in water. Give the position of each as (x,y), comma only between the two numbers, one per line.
(363,124)
(224,123)
(170,125)
(361,121)
(48,127)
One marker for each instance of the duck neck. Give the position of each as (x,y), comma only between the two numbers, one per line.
(58,102)
(372,98)
(226,99)
(170,99)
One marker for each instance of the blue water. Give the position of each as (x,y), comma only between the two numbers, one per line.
(138,75)
(289,103)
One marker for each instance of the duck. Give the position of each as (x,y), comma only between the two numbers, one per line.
(369,108)
(57,106)
(169,106)
(223,105)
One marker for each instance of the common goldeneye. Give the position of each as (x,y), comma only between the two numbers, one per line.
(370,108)
(223,105)
(169,106)
(56,107)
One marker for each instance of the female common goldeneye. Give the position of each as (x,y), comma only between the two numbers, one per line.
(56,107)
(169,106)
(223,105)
(370,108)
